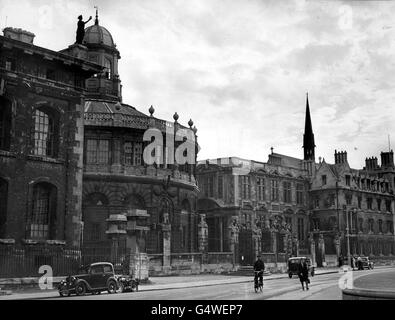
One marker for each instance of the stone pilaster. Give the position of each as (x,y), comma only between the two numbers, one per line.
(203,236)
(166,231)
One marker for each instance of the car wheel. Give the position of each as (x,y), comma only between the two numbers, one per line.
(112,287)
(80,289)
(63,291)
(290,275)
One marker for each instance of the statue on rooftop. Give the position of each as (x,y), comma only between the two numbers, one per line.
(81,29)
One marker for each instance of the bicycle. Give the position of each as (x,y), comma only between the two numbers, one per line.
(258,281)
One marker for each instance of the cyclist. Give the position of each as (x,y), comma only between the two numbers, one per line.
(259,267)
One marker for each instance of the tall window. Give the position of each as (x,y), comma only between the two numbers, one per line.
(323,179)
(369,203)
(10,64)
(108,68)
(97,151)
(300,229)
(371,225)
(133,152)
(260,182)
(381,226)
(5,124)
(390,227)
(42,211)
(274,190)
(349,199)
(245,187)
(220,187)
(360,224)
(379,204)
(359,202)
(348,180)
(388,205)
(299,193)
(211,186)
(287,191)
(45,134)
(3,206)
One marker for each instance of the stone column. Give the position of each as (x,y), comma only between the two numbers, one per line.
(295,245)
(221,235)
(321,247)
(312,248)
(233,238)
(203,238)
(274,244)
(166,232)
(336,241)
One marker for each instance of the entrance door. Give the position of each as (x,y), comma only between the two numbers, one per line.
(246,248)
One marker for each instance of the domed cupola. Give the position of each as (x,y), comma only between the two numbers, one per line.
(102,50)
(98,35)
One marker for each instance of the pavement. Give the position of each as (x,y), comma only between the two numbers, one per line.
(164,283)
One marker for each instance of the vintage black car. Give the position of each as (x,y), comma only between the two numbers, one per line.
(365,263)
(94,278)
(293,265)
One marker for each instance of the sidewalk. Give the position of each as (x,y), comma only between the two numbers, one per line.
(171,282)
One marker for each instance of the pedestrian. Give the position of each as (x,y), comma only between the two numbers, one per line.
(352,263)
(303,273)
(359,263)
(340,261)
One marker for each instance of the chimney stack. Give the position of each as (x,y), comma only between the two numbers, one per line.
(19,34)
(387,159)
(340,157)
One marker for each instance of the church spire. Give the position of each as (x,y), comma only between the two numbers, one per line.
(308,137)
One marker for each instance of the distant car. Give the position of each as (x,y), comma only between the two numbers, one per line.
(366,264)
(94,278)
(293,265)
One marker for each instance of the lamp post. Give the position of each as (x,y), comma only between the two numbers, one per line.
(347,235)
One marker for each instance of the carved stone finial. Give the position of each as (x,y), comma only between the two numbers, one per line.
(190,123)
(151,111)
(195,129)
(176,117)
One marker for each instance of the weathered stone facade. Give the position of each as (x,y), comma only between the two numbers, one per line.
(41,141)
(253,207)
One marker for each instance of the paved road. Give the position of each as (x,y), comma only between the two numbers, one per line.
(382,280)
(323,286)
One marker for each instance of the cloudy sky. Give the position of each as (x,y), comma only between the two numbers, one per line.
(241,69)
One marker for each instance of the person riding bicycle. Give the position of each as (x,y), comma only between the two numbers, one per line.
(259,267)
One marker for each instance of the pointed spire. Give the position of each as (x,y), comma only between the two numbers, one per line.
(308,137)
(97,15)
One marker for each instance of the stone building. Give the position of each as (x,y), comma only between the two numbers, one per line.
(290,206)
(364,197)
(253,207)
(41,141)
(73,170)
(159,200)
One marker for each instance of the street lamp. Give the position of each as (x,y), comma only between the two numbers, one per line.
(347,235)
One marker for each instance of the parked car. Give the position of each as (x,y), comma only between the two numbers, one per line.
(366,263)
(293,265)
(94,278)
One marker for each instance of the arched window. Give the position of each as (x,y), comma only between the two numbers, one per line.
(5,124)
(41,220)
(3,206)
(45,133)
(108,68)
